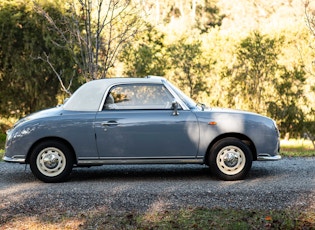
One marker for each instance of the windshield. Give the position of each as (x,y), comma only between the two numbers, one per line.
(187,100)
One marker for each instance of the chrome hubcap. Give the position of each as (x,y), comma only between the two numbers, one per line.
(51,161)
(231,160)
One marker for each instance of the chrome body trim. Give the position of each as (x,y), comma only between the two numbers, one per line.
(139,161)
(15,159)
(268,157)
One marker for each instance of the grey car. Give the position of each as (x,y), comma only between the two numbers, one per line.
(139,121)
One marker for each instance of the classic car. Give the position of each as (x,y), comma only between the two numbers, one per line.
(139,121)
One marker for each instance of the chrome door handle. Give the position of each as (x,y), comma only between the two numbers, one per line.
(110,123)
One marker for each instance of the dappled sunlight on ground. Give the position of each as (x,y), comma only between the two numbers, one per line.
(35,223)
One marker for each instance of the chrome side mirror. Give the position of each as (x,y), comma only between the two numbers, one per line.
(175,108)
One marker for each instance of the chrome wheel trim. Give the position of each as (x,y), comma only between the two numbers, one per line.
(231,160)
(51,161)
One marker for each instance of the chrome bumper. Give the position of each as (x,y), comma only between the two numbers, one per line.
(15,159)
(267,157)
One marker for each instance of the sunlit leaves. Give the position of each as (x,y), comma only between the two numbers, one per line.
(189,66)
(145,55)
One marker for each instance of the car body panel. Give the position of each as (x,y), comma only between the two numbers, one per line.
(234,122)
(74,127)
(99,136)
(147,134)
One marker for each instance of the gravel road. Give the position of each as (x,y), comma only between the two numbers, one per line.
(285,184)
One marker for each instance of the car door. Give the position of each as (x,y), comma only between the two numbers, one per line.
(138,122)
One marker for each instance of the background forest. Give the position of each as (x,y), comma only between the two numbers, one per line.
(254,55)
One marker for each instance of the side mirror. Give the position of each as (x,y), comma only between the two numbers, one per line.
(175,108)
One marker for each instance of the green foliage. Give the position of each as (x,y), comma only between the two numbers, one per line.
(208,16)
(189,67)
(2,138)
(1,154)
(94,33)
(27,83)
(253,74)
(309,126)
(286,109)
(259,83)
(202,15)
(2,143)
(146,55)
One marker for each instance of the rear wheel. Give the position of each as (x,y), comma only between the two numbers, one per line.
(230,159)
(51,161)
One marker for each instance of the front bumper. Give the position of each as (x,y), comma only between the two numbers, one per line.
(15,159)
(267,157)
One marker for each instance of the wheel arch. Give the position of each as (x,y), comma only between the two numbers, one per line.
(245,139)
(57,139)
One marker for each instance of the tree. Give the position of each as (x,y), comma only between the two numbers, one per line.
(95,32)
(189,14)
(189,67)
(286,106)
(259,83)
(27,84)
(253,72)
(208,16)
(145,55)
(309,126)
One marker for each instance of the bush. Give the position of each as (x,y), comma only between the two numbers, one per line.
(2,140)
(309,127)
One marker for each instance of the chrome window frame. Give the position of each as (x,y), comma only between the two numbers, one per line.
(170,90)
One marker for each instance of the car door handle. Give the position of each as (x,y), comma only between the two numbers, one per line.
(110,123)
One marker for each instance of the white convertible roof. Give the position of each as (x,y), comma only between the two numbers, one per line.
(89,96)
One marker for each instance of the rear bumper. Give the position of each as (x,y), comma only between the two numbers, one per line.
(267,157)
(15,159)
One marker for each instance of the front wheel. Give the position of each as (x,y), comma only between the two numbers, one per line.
(230,159)
(51,161)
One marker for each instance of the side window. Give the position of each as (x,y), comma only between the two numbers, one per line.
(139,96)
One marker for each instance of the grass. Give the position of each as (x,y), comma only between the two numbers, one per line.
(297,148)
(1,154)
(201,218)
(190,218)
